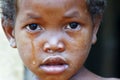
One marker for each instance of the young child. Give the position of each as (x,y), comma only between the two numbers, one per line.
(54,37)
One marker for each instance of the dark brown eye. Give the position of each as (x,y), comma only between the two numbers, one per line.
(73,26)
(33,27)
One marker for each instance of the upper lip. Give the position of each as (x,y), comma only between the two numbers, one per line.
(54,60)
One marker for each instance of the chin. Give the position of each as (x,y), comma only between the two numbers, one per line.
(54,77)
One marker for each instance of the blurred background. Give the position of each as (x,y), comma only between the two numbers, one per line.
(103,59)
(11,67)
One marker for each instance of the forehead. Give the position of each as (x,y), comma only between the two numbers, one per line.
(52,3)
(52,9)
(48,10)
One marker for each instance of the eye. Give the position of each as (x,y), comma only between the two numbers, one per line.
(73,26)
(33,27)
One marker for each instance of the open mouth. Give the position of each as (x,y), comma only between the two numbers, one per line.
(54,65)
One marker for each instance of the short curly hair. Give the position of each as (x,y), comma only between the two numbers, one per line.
(95,7)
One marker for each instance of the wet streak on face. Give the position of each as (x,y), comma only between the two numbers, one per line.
(67,33)
(33,53)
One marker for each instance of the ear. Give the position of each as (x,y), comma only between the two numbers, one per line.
(9,32)
(96,24)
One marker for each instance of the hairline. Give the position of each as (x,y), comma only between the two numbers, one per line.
(13,11)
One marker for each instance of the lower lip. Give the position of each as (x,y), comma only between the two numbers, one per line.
(54,69)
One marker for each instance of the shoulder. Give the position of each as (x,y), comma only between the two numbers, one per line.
(111,79)
(93,76)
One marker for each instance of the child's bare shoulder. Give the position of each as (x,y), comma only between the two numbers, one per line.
(88,75)
(111,79)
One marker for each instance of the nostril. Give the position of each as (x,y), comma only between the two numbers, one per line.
(50,48)
(60,47)
(46,47)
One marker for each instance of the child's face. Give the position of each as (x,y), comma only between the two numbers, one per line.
(54,36)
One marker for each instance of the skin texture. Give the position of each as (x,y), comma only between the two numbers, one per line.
(9,9)
(54,36)
(53,19)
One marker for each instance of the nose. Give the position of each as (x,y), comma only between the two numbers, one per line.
(53,45)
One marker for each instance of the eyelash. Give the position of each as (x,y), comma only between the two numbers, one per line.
(75,26)
(33,27)
(72,26)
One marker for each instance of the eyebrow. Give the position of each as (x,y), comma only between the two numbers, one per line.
(72,13)
(33,16)
(30,15)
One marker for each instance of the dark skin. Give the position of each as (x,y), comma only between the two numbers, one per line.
(54,39)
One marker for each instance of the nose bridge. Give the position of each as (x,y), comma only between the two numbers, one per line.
(54,37)
(54,43)
(53,40)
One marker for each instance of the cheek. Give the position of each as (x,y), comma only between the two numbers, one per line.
(80,45)
(25,50)
(24,46)
(78,51)
(78,55)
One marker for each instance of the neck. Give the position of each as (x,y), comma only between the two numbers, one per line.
(80,74)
